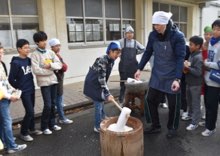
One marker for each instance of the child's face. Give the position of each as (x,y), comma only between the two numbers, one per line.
(25,50)
(56,48)
(129,35)
(193,47)
(1,53)
(114,54)
(42,44)
(207,36)
(216,31)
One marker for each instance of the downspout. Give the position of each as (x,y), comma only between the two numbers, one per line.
(201,6)
(144,24)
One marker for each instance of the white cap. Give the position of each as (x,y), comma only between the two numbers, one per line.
(161,17)
(129,29)
(53,42)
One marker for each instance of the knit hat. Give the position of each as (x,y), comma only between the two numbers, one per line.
(207,29)
(161,17)
(129,29)
(113,45)
(53,42)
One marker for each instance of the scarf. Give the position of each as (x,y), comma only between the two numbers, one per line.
(213,40)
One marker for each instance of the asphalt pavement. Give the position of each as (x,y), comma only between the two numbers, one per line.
(79,139)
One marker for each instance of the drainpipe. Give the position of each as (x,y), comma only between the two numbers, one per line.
(201,6)
(144,24)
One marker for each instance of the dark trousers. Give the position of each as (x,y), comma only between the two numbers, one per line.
(153,98)
(124,76)
(28,120)
(211,98)
(49,94)
(183,96)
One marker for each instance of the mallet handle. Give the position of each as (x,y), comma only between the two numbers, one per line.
(119,107)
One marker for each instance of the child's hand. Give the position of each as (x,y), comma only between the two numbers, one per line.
(186,64)
(110,98)
(47,66)
(14,98)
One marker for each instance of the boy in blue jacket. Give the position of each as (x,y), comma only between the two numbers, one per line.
(95,85)
(20,77)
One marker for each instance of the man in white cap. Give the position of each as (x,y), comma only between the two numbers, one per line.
(167,44)
(128,63)
(55,46)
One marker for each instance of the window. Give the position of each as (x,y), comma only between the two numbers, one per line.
(179,14)
(98,20)
(18,19)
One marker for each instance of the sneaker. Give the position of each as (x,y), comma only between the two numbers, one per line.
(171,133)
(152,130)
(36,132)
(185,116)
(207,132)
(17,149)
(47,132)
(65,121)
(203,117)
(56,128)
(26,137)
(97,130)
(202,123)
(191,127)
(163,105)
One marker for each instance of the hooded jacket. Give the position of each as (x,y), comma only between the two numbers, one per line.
(20,76)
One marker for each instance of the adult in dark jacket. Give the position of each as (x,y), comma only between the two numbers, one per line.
(168,45)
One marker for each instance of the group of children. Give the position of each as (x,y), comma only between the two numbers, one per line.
(198,67)
(203,60)
(48,67)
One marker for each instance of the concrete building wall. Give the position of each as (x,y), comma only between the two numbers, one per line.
(52,20)
(209,14)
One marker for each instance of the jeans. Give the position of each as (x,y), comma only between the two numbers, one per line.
(6,133)
(59,104)
(49,94)
(28,120)
(99,113)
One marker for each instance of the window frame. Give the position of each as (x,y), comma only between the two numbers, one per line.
(179,22)
(86,43)
(10,16)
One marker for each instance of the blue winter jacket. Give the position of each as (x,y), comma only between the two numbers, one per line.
(178,44)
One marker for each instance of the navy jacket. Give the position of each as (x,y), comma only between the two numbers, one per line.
(177,40)
(95,85)
(20,76)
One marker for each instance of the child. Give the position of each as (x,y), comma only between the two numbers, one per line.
(207,37)
(21,78)
(55,46)
(193,77)
(6,134)
(44,63)
(212,88)
(95,85)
